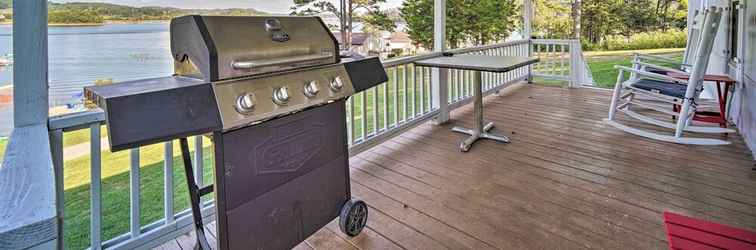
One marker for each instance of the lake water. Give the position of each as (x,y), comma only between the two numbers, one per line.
(78,56)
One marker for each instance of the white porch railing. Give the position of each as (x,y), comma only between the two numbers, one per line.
(406,99)
(561,60)
(373,116)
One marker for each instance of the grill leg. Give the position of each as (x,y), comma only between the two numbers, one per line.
(194,196)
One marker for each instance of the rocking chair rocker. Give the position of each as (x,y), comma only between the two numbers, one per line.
(658,88)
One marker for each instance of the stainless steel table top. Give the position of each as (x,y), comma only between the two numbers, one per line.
(479,62)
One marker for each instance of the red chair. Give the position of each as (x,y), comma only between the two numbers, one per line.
(690,233)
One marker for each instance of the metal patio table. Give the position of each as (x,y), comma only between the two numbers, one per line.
(478,64)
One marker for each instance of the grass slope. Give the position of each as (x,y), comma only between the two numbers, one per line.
(116,199)
(69,139)
(604,73)
(3,144)
(81,136)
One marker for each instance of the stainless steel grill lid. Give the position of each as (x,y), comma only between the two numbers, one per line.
(217,48)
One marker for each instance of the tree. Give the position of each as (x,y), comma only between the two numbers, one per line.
(489,20)
(638,16)
(477,22)
(373,15)
(600,18)
(380,21)
(420,22)
(577,15)
(74,15)
(672,14)
(552,19)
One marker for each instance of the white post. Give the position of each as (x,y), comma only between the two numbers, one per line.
(693,6)
(527,31)
(30,62)
(440,77)
(527,15)
(577,22)
(30,204)
(576,66)
(343,24)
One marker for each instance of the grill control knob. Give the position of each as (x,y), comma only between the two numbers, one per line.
(311,89)
(281,95)
(336,84)
(245,103)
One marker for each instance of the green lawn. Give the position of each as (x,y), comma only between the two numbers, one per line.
(3,144)
(604,73)
(630,52)
(77,171)
(69,139)
(81,136)
(115,191)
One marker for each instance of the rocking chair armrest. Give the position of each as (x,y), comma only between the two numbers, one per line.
(650,74)
(661,67)
(659,58)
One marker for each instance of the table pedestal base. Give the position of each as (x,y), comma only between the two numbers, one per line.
(476,135)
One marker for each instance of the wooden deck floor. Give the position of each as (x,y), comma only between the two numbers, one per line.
(567,181)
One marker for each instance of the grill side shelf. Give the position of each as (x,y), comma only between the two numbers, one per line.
(145,112)
(365,73)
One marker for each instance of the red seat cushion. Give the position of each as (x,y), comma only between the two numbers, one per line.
(690,233)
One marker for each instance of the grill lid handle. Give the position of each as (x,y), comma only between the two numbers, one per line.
(278,61)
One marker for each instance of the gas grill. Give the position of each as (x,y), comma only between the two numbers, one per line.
(270,91)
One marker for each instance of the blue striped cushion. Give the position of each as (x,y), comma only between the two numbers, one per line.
(662,87)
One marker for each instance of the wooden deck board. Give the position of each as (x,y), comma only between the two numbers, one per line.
(566,181)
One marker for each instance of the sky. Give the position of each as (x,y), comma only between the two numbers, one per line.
(273,6)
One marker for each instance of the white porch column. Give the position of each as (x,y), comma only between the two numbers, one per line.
(30,62)
(527,31)
(527,16)
(576,65)
(440,77)
(27,174)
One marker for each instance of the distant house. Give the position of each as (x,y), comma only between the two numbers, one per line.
(401,41)
(362,43)
(382,45)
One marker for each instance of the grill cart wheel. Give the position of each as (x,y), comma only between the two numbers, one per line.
(353,217)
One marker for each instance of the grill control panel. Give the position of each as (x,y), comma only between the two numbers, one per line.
(253,100)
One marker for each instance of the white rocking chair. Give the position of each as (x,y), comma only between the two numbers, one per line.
(658,88)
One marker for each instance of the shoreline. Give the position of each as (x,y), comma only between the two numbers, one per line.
(99,24)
